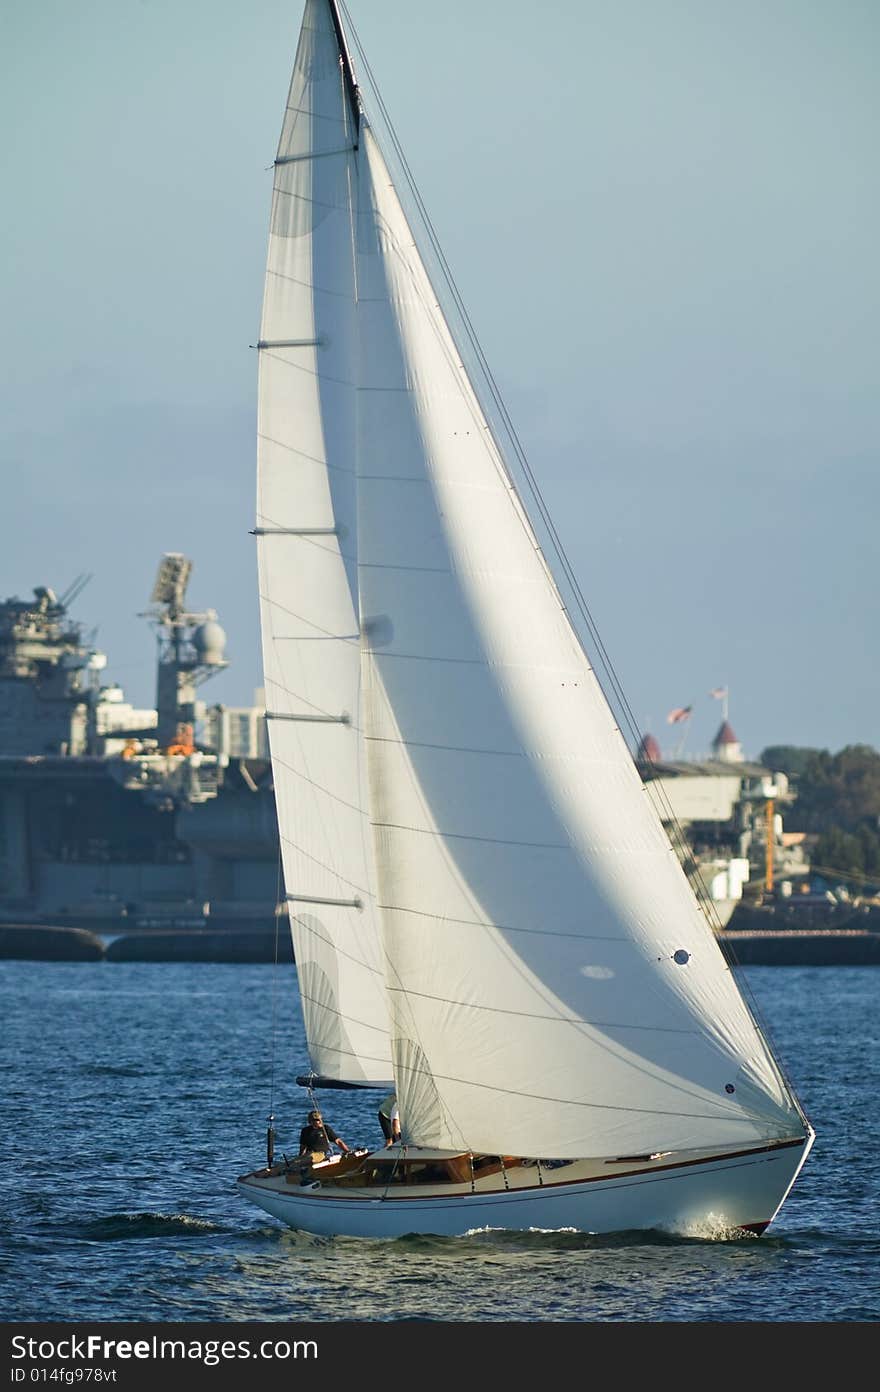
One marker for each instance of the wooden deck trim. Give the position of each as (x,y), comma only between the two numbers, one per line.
(528,1189)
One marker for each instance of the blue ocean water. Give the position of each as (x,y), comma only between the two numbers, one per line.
(134,1094)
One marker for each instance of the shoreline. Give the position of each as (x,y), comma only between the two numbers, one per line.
(784,947)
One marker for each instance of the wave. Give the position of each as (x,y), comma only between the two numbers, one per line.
(113,1070)
(571,1239)
(125,1227)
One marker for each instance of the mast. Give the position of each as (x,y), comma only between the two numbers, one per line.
(348,77)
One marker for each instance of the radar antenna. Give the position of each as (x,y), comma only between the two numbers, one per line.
(191,648)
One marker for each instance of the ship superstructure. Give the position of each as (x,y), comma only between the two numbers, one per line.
(116,817)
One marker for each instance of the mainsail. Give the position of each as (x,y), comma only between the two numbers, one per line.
(307,543)
(551,983)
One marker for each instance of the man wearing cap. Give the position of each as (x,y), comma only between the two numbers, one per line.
(317,1136)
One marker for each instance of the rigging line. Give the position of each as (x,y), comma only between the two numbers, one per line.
(279,192)
(307,285)
(307,923)
(328,1010)
(327,717)
(294,695)
(351,638)
(319,786)
(341,534)
(311,539)
(306,110)
(349,1053)
(324,866)
(309,372)
(304,454)
(313,155)
(275,984)
(395,1167)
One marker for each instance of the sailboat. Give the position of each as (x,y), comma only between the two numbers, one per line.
(487,914)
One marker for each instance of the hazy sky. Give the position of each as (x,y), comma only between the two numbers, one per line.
(663,217)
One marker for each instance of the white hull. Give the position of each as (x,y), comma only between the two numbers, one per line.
(711,1197)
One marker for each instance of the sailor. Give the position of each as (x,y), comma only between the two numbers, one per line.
(389,1119)
(316,1135)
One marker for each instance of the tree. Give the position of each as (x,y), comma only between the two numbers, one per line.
(833,790)
(791,759)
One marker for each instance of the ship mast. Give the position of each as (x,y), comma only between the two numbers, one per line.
(190,650)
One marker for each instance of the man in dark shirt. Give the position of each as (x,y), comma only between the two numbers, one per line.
(316,1135)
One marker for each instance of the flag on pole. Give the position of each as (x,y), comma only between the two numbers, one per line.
(719,692)
(680,713)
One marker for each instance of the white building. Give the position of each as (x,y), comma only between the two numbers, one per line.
(238,731)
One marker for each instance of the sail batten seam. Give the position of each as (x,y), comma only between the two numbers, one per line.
(554,1019)
(465,836)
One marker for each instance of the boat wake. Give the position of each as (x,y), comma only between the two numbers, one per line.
(550,1240)
(713,1228)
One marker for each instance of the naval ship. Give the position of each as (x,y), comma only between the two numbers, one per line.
(153,833)
(116,819)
